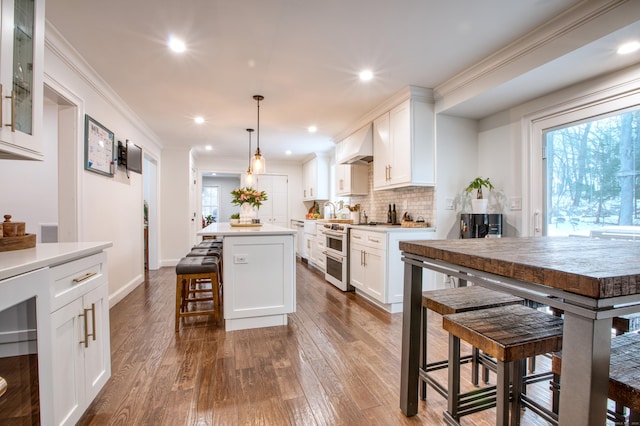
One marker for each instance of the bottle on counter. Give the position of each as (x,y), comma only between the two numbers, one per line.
(389,214)
(394,215)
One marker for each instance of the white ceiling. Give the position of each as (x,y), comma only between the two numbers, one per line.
(303,56)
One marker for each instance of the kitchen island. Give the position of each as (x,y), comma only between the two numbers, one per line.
(259,274)
(591,280)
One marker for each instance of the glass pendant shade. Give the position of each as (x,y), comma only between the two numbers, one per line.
(258,163)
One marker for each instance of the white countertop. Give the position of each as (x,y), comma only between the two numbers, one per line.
(17,262)
(383,227)
(225,229)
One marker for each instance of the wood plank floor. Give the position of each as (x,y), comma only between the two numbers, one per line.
(336,363)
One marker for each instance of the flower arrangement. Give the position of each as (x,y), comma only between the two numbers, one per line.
(248,195)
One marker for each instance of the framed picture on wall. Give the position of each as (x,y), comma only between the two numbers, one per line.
(98,147)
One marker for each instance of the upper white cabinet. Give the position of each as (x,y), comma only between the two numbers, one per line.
(404,146)
(352,179)
(356,147)
(21,78)
(315,179)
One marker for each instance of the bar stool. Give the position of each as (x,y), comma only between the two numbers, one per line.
(510,334)
(624,381)
(451,301)
(189,271)
(209,244)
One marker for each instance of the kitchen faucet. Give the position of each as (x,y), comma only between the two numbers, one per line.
(329,203)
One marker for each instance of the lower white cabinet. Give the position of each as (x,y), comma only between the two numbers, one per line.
(318,247)
(80,335)
(376,269)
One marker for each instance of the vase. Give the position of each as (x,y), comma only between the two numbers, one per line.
(247,213)
(479,206)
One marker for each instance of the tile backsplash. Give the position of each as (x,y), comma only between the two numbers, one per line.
(419,202)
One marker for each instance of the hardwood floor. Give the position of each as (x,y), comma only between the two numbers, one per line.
(336,363)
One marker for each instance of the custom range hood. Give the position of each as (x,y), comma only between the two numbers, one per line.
(358,147)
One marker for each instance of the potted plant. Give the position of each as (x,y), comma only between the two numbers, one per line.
(479,204)
(235,218)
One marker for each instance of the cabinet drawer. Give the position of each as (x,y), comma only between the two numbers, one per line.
(74,279)
(370,239)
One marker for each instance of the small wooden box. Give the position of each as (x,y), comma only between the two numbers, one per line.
(408,224)
(17,243)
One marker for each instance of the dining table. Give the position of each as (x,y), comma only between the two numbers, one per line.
(591,280)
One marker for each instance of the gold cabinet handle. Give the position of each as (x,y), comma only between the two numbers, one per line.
(86,324)
(84,277)
(13,111)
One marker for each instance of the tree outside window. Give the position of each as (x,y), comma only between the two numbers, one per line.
(592,177)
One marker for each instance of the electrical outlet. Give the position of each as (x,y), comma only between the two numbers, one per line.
(240,258)
(448,203)
(515,203)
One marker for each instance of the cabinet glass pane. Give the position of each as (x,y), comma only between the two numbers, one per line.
(23,65)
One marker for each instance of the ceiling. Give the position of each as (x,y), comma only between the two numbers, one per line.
(304,57)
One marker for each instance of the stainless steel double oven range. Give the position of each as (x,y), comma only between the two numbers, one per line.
(337,255)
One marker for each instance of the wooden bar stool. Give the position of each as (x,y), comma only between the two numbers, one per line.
(624,380)
(192,270)
(451,301)
(209,244)
(510,334)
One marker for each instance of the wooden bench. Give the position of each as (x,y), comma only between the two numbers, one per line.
(510,334)
(624,378)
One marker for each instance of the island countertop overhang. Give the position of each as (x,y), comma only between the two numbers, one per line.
(225,229)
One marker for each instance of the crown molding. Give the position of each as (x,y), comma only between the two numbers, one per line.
(62,49)
(568,31)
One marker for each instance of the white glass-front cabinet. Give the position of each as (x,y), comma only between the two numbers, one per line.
(21,78)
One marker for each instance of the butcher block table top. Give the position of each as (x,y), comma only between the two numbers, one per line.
(596,268)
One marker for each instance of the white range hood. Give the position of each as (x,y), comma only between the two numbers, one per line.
(358,147)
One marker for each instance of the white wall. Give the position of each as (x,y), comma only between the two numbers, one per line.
(456,166)
(110,208)
(175,207)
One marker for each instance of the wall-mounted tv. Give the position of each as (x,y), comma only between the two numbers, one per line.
(134,157)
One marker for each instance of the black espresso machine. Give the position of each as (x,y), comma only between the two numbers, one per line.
(480,225)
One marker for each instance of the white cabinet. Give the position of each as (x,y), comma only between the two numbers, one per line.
(376,267)
(315,179)
(352,179)
(403,146)
(21,78)
(80,335)
(366,262)
(318,246)
(275,210)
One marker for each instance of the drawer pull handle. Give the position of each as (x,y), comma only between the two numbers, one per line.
(13,111)
(84,277)
(374,240)
(86,325)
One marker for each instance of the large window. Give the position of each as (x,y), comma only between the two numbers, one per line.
(592,176)
(210,204)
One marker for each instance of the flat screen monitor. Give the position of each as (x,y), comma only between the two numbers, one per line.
(134,157)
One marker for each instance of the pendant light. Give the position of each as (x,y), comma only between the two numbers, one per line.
(249,178)
(258,160)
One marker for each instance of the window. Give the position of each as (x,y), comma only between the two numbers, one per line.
(592,178)
(210,204)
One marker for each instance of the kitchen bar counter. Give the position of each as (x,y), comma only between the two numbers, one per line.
(385,227)
(259,274)
(592,280)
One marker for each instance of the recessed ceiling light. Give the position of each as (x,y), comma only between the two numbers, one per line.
(199,120)
(628,47)
(312,129)
(176,45)
(208,147)
(366,75)
(288,152)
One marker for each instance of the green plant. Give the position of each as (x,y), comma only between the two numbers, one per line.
(235,216)
(477,184)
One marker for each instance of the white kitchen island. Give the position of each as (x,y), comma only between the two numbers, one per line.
(259,274)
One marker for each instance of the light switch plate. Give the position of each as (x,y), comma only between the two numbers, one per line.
(240,258)
(515,203)
(448,203)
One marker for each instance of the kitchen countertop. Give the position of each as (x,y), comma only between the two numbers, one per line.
(18,262)
(385,227)
(225,229)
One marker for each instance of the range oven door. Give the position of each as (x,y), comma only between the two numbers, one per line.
(336,271)
(336,242)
